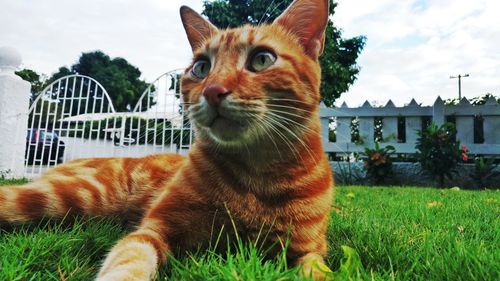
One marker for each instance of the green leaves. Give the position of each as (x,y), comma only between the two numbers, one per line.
(378,163)
(437,150)
(350,266)
(484,171)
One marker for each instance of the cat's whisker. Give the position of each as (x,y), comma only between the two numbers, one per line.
(271,123)
(288,100)
(274,9)
(289,113)
(290,107)
(282,136)
(302,126)
(265,13)
(267,133)
(294,135)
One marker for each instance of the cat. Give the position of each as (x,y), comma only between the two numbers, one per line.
(252,94)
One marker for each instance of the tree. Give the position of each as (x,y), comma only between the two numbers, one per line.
(120,79)
(36,80)
(338,62)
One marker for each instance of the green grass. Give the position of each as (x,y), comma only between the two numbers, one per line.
(398,233)
(12,181)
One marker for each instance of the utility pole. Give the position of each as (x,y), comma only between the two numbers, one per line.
(459,76)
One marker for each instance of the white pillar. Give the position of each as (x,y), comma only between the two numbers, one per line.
(465,129)
(390,129)
(14,102)
(343,129)
(491,128)
(366,130)
(413,124)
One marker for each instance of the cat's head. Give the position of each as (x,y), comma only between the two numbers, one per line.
(255,83)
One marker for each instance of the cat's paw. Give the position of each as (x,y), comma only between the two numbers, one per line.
(314,267)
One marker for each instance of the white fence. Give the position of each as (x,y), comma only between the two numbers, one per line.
(478,126)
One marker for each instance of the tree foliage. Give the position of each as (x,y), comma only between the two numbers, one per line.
(120,79)
(338,62)
(479,100)
(36,80)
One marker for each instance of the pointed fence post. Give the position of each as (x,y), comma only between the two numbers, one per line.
(464,124)
(14,102)
(390,125)
(438,112)
(366,127)
(343,130)
(412,124)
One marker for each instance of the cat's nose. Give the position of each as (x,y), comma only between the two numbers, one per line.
(215,93)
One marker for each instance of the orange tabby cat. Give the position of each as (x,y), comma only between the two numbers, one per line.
(252,95)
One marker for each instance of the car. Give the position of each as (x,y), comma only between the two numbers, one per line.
(43,147)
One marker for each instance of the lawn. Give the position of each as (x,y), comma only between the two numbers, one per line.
(398,233)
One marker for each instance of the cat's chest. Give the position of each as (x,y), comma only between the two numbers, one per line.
(252,214)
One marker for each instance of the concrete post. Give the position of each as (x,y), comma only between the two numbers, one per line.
(366,130)
(413,124)
(325,126)
(438,112)
(390,129)
(14,103)
(343,129)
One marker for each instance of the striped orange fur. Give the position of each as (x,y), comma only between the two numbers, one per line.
(252,94)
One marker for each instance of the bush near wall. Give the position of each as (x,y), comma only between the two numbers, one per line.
(411,174)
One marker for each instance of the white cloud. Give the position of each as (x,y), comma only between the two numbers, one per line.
(414,46)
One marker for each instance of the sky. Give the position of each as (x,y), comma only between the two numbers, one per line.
(412,48)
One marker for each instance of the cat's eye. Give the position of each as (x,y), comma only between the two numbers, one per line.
(261,60)
(201,68)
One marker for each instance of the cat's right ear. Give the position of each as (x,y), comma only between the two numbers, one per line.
(307,19)
(197,28)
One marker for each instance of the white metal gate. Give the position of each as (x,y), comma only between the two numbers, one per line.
(74,118)
(158,122)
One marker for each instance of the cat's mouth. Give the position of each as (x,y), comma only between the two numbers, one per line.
(223,125)
(223,120)
(218,119)
(224,128)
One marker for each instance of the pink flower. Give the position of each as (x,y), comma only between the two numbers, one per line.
(464,156)
(464,148)
(375,156)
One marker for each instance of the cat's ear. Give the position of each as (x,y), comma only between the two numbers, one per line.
(307,19)
(197,28)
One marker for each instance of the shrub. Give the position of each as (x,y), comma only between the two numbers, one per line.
(348,174)
(378,164)
(438,151)
(484,171)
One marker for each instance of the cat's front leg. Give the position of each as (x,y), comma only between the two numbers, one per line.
(309,246)
(178,219)
(136,257)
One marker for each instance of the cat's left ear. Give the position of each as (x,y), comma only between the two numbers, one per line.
(307,19)
(197,28)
